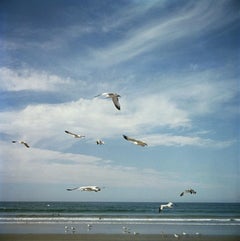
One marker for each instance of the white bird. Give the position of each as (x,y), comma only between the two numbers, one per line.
(22,142)
(136,142)
(86,188)
(191,191)
(176,236)
(114,97)
(100,142)
(74,135)
(168,205)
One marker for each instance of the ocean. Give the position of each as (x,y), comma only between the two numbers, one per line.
(120,217)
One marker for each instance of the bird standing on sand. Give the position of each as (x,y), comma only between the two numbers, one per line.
(191,191)
(134,141)
(74,135)
(22,142)
(114,97)
(168,205)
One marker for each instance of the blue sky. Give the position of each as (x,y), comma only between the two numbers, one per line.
(175,65)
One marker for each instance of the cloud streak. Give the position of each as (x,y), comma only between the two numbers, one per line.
(27,79)
(40,166)
(161,33)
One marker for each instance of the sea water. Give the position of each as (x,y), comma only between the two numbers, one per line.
(119,217)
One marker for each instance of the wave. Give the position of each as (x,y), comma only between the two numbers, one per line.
(119,220)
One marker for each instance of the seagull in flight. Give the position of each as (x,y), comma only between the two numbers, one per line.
(191,191)
(114,97)
(22,142)
(168,205)
(100,142)
(86,188)
(74,135)
(136,142)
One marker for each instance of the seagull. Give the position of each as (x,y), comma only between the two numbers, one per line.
(191,191)
(22,142)
(114,97)
(86,188)
(136,142)
(168,205)
(100,142)
(74,135)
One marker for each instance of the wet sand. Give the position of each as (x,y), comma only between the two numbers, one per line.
(112,237)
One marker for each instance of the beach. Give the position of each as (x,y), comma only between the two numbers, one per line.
(118,221)
(112,237)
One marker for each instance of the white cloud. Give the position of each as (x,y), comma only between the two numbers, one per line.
(28,79)
(155,108)
(177,140)
(95,118)
(188,22)
(44,166)
(43,125)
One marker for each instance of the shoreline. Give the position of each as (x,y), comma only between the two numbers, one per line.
(114,237)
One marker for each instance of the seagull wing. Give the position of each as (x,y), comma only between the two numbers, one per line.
(25,144)
(130,139)
(137,142)
(70,133)
(72,189)
(116,102)
(181,194)
(126,137)
(104,94)
(140,143)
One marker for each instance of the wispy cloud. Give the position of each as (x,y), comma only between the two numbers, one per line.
(29,79)
(169,30)
(39,166)
(177,140)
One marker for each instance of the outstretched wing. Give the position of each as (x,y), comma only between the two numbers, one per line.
(72,189)
(116,102)
(25,144)
(140,143)
(137,142)
(70,133)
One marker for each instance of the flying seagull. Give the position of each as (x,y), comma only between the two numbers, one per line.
(100,142)
(168,205)
(114,97)
(74,135)
(22,142)
(86,188)
(136,142)
(191,191)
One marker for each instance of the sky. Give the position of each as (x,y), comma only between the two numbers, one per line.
(175,65)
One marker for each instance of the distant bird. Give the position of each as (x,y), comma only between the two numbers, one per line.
(22,142)
(74,135)
(86,188)
(100,142)
(168,205)
(114,97)
(191,191)
(136,142)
